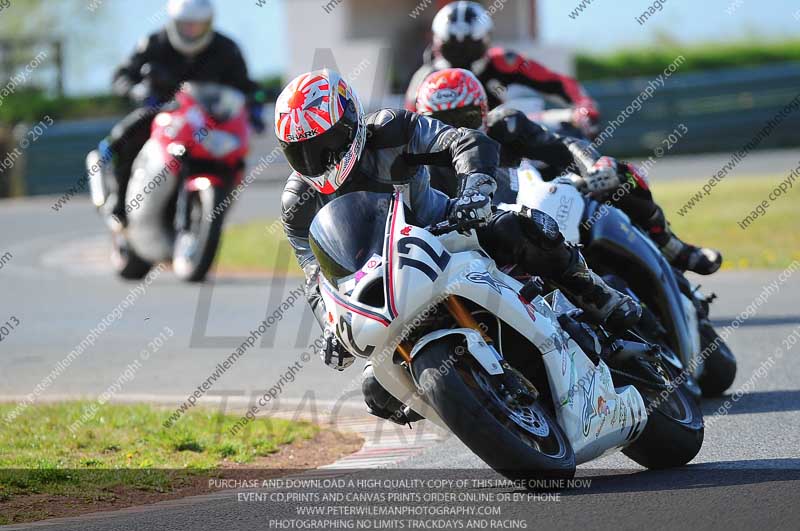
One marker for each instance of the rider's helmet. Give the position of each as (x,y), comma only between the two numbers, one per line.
(319,122)
(454,96)
(190,28)
(461,33)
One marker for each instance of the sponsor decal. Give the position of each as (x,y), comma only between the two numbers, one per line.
(483,277)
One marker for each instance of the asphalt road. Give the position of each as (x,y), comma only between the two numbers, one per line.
(57,285)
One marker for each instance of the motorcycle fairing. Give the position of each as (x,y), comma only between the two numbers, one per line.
(613,236)
(420,271)
(149,232)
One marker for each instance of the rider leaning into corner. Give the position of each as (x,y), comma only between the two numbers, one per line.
(462,39)
(456,97)
(187,49)
(335,149)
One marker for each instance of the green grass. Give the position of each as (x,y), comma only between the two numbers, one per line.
(772,241)
(126,445)
(257,246)
(651,61)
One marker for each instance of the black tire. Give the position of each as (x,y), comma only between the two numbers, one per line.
(196,247)
(719,369)
(125,261)
(674,432)
(460,396)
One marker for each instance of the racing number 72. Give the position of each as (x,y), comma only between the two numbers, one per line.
(441,260)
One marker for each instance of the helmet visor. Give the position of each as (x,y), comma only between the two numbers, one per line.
(461,54)
(192,31)
(470,117)
(316,155)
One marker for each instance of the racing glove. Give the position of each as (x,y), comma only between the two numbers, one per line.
(474,203)
(603,176)
(333,353)
(142,94)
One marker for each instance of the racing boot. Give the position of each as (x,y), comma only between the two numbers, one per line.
(686,257)
(600,301)
(381,403)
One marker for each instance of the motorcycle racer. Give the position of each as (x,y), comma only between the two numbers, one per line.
(187,49)
(462,38)
(335,148)
(456,96)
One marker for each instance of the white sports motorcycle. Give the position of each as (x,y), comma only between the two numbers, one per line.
(676,313)
(517,377)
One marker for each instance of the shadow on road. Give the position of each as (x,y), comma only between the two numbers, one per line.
(755,402)
(720,474)
(760,321)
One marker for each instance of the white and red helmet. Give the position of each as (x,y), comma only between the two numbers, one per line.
(319,122)
(455,96)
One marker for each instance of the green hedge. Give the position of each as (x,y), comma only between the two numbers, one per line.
(31,105)
(651,61)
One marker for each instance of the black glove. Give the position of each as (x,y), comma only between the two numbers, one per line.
(334,354)
(474,203)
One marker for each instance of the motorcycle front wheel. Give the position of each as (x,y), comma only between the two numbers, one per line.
(719,369)
(125,261)
(196,244)
(519,442)
(674,432)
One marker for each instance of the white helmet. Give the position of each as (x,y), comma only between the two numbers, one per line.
(190,28)
(462,33)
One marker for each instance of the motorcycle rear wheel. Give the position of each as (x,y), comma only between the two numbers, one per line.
(520,442)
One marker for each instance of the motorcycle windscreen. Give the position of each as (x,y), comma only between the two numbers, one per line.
(347,232)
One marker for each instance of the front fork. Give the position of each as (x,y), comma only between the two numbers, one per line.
(462,316)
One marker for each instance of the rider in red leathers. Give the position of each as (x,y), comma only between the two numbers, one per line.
(461,39)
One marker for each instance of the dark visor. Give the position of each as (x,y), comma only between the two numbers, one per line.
(461,54)
(316,155)
(469,117)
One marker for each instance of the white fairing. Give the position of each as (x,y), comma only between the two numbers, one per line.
(418,271)
(563,202)
(595,416)
(150,235)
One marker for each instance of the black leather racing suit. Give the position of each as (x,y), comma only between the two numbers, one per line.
(221,62)
(520,137)
(399,146)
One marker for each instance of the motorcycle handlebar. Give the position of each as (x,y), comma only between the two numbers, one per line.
(446,226)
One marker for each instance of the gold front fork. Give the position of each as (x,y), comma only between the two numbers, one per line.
(462,316)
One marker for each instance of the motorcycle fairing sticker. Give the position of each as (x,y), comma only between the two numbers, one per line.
(345,331)
(404,248)
(484,277)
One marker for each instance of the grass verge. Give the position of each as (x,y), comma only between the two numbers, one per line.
(259,246)
(770,242)
(123,456)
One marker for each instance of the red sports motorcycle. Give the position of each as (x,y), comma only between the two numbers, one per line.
(177,194)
